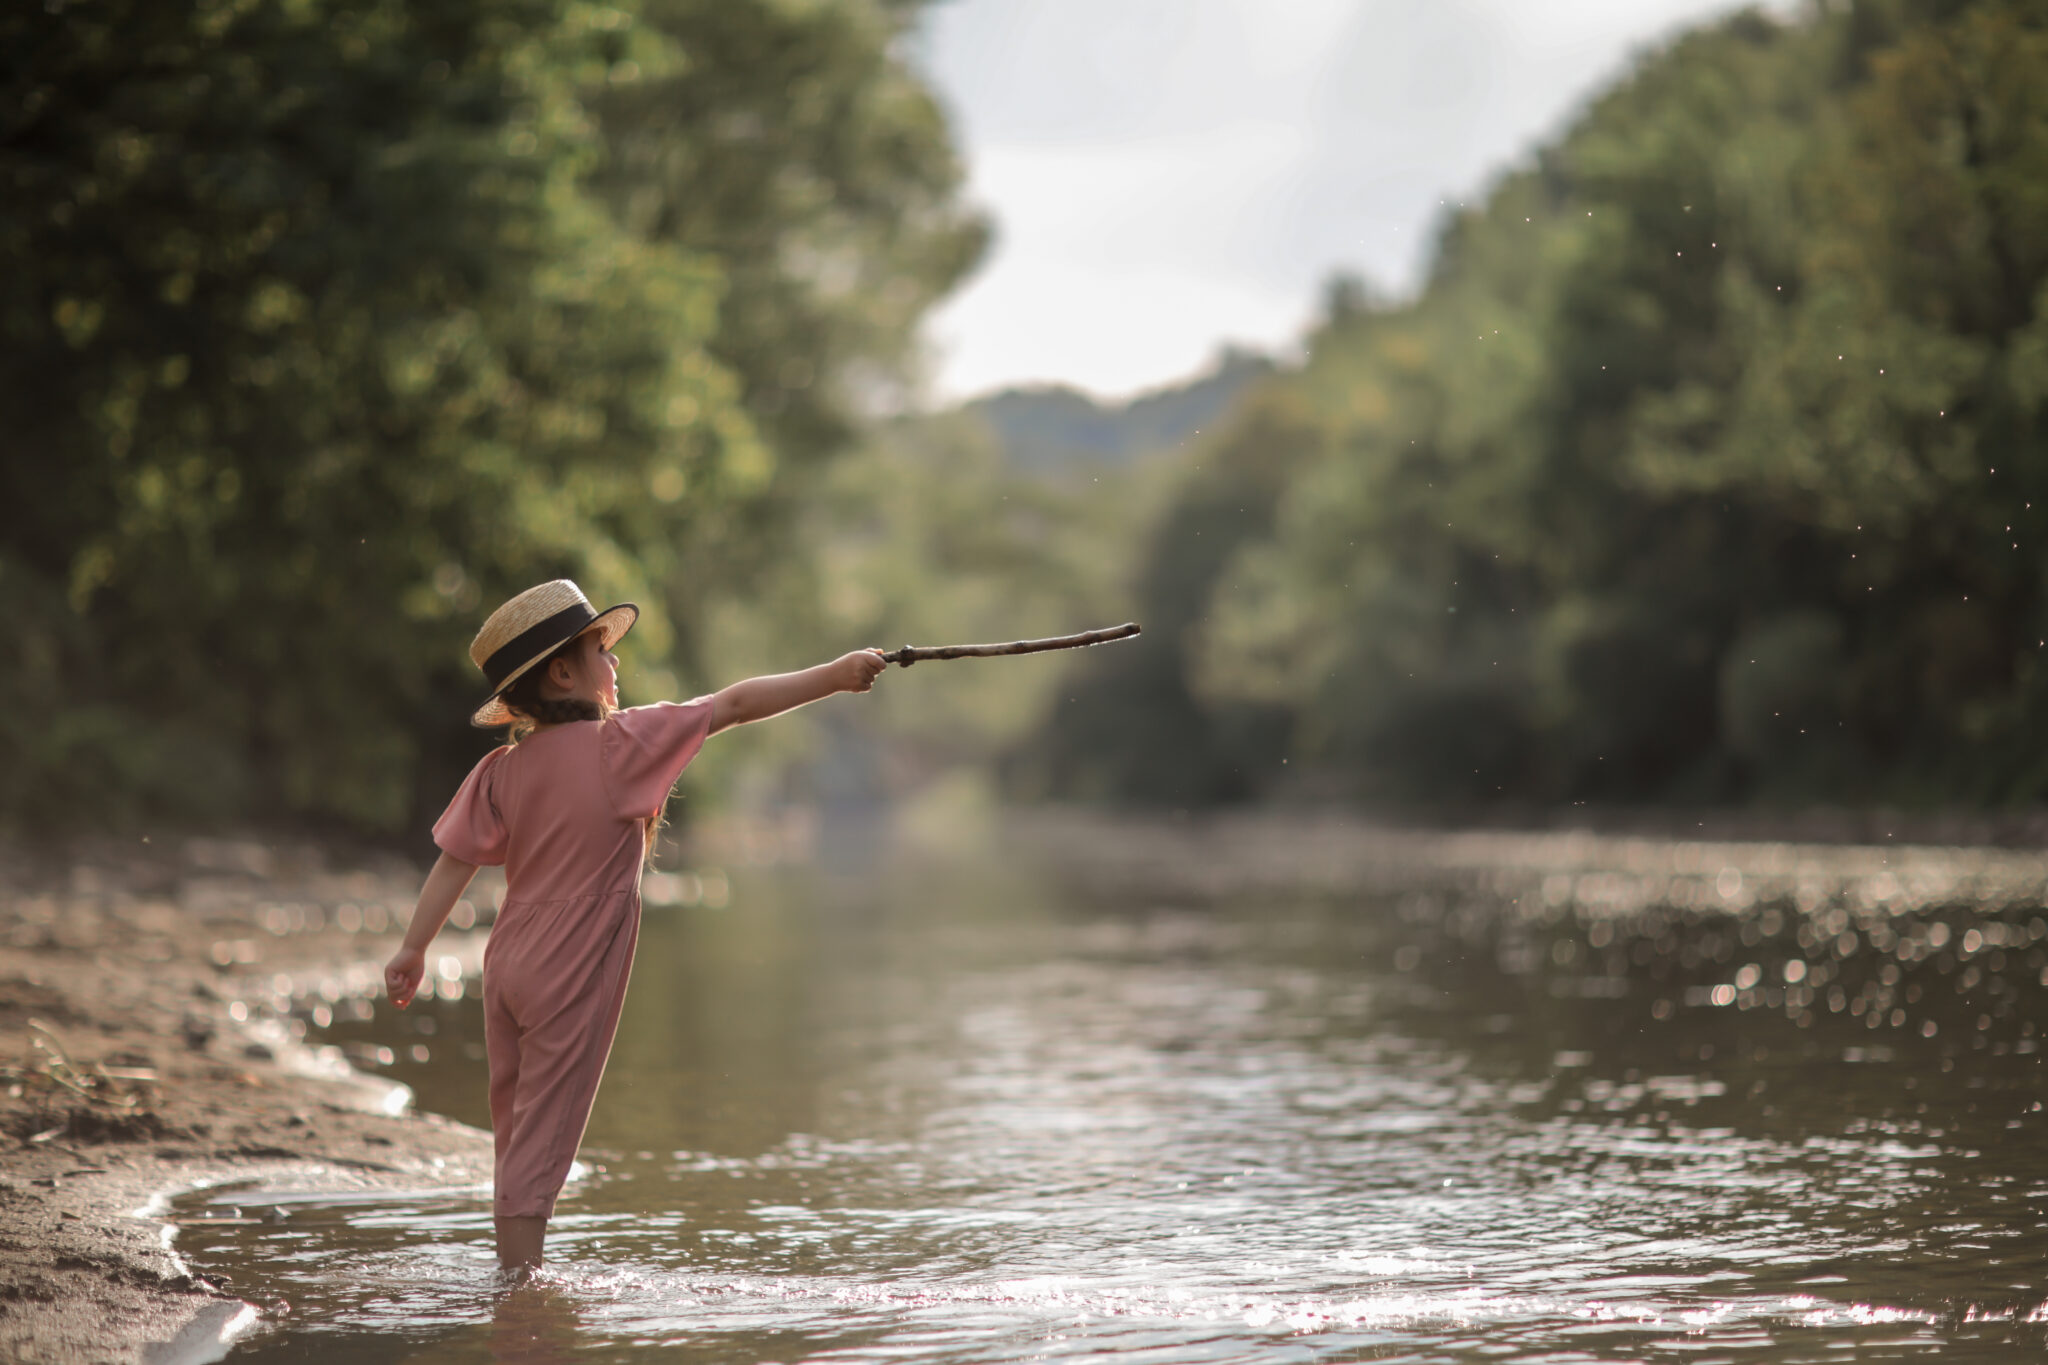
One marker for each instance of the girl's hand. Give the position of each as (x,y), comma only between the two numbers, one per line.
(402,975)
(856,672)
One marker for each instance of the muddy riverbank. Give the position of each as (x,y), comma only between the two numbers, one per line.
(143,1051)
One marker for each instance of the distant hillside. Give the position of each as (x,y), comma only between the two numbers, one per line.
(1053,428)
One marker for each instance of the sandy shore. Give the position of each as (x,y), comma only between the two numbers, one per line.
(147,1046)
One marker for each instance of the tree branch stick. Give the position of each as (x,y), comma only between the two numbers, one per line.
(909,655)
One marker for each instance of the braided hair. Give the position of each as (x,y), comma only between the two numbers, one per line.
(531,709)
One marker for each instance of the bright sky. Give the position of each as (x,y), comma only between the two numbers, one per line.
(1166,176)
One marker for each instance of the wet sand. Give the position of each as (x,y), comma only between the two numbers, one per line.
(131,1065)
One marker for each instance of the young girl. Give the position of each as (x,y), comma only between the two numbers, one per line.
(569,808)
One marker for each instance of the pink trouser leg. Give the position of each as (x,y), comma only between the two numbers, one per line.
(550,1010)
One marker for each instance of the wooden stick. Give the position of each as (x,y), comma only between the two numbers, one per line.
(908,655)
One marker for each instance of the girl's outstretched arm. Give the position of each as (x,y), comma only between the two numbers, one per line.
(445,884)
(770,695)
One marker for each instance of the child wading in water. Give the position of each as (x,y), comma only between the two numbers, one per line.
(569,808)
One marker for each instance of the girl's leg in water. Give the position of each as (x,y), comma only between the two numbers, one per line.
(553,992)
(519,1242)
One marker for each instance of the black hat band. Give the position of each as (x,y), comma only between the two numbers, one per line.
(536,640)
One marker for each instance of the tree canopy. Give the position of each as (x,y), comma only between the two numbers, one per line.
(328,323)
(1704,467)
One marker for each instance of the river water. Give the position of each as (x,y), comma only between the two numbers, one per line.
(980,1112)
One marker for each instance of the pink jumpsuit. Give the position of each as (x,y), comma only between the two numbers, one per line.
(563,811)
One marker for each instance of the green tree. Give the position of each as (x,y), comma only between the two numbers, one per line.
(319,342)
(792,147)
(1706,463)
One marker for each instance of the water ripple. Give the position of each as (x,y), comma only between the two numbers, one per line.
(1434,1123)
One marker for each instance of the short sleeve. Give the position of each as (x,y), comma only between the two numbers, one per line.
(645,749)
(471,828)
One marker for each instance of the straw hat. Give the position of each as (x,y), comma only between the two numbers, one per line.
(532,626)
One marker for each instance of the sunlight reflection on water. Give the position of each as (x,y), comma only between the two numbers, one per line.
(1437,1121)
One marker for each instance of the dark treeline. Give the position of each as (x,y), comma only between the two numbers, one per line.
(325,324)
(1708,466)
(1704,467)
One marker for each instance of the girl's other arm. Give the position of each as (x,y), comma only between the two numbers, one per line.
(445,884)
(759,698)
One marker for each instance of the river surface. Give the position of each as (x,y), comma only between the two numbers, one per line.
(974,1113)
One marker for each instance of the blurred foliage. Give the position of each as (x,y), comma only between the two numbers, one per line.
(929,532)
(326,324)
(1059,431)
(1703,468)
